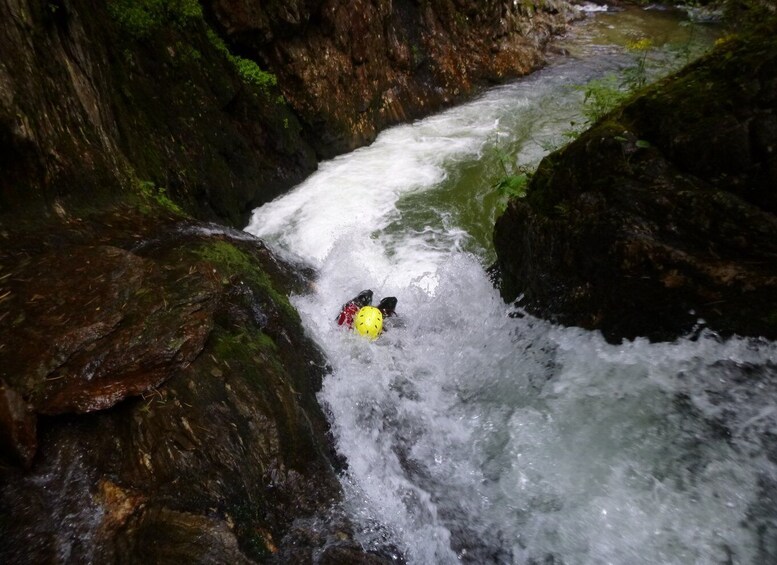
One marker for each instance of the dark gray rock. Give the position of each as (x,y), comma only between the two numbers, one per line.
(663,213)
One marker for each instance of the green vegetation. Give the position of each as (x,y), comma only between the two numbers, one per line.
(230,260)
(140,18)
(187,53)
(604,94)
(244,346)
(227,256)
(636,76)
(150,192)
(252,74)
(513,183)
(248,70)
(600,96)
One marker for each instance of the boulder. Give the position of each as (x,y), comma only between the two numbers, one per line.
(662,217)
(158,399)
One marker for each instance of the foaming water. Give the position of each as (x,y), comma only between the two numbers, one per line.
(406,191)
(477,434)
(478,437)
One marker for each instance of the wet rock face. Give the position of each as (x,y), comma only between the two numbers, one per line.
(18,424)
(105,295)
(661,215)
(157,399)
(350,68)
(97,93)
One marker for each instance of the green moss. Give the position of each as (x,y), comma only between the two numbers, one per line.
(187,54)
(251,73)
(265,342)
(232,261)
(248,350)
(188,8)
(150,192)
(135,19)
(218,43)
(241,346)
(141,18)
(248,70)
(227,256)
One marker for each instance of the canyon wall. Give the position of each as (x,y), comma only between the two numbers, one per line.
(351,68)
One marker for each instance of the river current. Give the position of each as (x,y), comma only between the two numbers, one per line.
(473,436)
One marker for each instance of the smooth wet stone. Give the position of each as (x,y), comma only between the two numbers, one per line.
(161,391)
(353,67)
(97,324)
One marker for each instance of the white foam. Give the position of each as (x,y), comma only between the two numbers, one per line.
(355,195)
(514,436)
(590,7)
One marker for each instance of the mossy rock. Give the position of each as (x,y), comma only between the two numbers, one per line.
(169,396)
(659,220)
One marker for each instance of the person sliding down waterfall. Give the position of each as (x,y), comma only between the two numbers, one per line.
(371,321)
(359,314)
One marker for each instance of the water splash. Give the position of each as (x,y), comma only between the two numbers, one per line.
(479,437)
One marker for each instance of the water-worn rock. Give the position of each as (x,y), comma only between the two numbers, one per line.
(18,431)
(662,214)
(146,325)
(141,93)
(173,391)
(350,68)
(147,91)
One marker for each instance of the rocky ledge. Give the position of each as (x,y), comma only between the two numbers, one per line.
(663,216)
(157,399)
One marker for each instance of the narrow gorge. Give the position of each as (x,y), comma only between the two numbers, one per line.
(592,380)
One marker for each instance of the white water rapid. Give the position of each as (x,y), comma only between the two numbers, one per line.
(476,437)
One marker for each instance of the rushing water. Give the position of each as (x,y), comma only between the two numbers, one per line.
(478,437)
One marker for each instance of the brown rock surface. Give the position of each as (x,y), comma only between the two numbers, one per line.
(173,392)
(351,68)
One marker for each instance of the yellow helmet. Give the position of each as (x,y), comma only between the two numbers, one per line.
(369,322)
